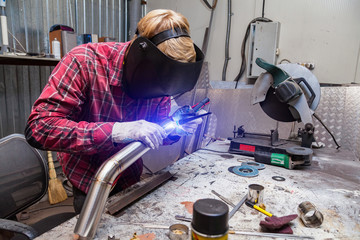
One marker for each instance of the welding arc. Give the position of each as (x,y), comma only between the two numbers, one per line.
(186,120)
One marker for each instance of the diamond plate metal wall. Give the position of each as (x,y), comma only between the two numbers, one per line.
(339,109)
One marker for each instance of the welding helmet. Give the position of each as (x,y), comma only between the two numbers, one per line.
(149,73)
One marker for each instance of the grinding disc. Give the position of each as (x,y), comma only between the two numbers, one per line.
(258,166)
(244,171)
(299,151)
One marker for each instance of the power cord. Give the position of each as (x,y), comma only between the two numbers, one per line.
(327,129)
(243,45)
(208,4)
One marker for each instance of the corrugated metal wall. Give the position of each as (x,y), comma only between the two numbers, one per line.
(29,22)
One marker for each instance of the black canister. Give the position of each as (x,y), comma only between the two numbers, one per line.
(210,219)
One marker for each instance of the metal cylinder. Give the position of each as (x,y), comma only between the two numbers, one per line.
(255,194)
(100,188)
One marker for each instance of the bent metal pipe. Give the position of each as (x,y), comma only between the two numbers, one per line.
(100,188)
(95,201)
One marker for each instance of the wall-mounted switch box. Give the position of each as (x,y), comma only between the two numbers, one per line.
(263,43)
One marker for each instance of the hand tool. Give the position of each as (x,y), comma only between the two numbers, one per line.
(271,235)
(233,211)
(252,205)
(183,218)
(295,156)
(223,198)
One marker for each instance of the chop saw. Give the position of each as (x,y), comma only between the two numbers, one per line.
(286,93)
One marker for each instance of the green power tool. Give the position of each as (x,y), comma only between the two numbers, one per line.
(294,156)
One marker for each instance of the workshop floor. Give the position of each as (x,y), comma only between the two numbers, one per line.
(44,209)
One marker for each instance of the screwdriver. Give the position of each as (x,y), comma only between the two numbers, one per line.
(252,205)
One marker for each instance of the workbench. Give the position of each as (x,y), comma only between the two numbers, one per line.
(331,183)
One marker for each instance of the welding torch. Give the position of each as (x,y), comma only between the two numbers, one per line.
(184,115)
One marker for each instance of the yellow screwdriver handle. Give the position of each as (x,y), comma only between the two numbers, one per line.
(262,210)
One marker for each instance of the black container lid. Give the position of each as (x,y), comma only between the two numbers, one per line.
(210,217)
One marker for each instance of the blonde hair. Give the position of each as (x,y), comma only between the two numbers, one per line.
(180,48)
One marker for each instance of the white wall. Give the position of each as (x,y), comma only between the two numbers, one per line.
(324,32)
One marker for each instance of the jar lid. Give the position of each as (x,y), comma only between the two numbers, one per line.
(210,217)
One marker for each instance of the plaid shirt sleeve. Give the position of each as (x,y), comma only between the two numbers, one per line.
(52,123)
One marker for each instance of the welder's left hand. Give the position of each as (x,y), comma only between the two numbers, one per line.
(190,127)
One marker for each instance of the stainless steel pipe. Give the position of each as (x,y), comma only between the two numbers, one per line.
(95,201)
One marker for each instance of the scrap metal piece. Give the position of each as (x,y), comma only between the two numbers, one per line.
(256,194)
(310,215)
(118,203)
(278,178)
(271,235)
(227,201)
(183,218)
(178,232)
(237,207)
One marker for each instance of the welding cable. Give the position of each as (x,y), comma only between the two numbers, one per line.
(328,130)
(228,27)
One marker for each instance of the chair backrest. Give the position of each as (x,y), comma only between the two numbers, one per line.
(23,175)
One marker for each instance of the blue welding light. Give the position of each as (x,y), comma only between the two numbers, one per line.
(169,126)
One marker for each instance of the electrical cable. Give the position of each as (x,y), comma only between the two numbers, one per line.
(16,50)
(227,58)
(263,9)
(208,4)
(283,60)
(243,60)
(243,45)
(327,129)
(17,41)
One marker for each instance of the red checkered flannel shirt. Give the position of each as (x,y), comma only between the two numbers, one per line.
(77,109)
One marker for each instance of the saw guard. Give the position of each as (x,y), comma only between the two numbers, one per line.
(296,110)
(261,87)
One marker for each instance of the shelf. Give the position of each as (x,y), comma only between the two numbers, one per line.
(28,60)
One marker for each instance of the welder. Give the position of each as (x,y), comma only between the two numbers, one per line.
(102,96)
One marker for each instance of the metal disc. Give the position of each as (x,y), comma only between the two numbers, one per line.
(300,151)
(278,178)
(245,171)
(276,109)
(258,166)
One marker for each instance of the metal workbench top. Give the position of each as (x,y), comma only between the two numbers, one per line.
(331,183)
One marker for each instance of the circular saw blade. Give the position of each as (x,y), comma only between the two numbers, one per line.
(280,111)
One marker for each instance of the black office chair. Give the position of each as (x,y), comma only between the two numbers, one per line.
(23,182)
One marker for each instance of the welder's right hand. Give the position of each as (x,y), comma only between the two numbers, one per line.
(151,134)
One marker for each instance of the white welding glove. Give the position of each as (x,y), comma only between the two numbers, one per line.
(151,134)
